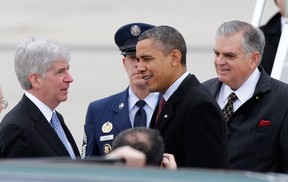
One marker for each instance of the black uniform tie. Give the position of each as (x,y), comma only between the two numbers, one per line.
(140,116)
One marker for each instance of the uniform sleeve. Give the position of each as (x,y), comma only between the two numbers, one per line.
(89,145)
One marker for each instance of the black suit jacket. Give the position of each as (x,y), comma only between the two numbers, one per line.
(272,32)
(258,130)
(193,127)
(25,132)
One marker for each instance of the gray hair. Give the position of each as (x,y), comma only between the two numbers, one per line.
(36,56)
(253,38)
(167,39)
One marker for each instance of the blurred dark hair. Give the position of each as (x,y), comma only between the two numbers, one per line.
(146,140)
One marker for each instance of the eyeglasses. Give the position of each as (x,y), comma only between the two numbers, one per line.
(4,104)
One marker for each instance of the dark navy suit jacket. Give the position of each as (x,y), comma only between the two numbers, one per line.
(25,132)
(193,126)
(258,131)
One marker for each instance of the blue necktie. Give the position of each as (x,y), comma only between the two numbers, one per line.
(140,116)
(61,134)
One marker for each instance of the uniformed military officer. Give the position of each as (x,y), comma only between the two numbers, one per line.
(132,107)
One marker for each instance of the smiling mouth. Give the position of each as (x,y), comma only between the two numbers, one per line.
(147,77)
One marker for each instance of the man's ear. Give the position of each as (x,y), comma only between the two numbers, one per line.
(35,80)
(176,57)
(255,59)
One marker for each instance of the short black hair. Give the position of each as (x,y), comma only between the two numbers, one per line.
(146,140)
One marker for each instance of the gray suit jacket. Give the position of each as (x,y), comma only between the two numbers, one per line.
(258,131)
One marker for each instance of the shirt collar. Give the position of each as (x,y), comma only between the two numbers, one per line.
(151,100)
(46,111)
(246,90)
(174,86)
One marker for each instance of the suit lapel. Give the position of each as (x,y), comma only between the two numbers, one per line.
(50,136)
(44,128)
(168,110)
(165,116)
(263,84)
(215,86)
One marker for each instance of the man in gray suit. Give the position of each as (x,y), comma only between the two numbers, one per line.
(257,120)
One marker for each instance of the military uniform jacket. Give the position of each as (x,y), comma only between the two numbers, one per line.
(258,131)
(105,119)
(25,132)
(193,127)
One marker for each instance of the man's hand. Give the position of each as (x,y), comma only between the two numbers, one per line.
(168,162)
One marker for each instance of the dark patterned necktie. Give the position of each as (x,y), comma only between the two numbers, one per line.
(161,105)
(228,108)
(140,116)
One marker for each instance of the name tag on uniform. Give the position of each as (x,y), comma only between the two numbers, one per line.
(106,137)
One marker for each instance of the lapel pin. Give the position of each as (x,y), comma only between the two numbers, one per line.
(121,105)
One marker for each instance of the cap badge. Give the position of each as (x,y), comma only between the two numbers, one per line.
(135,30)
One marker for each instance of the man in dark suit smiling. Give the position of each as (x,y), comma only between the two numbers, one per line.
(190,122)
(258,122)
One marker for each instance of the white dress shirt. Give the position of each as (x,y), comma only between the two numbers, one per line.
(243,93)
(151,102)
